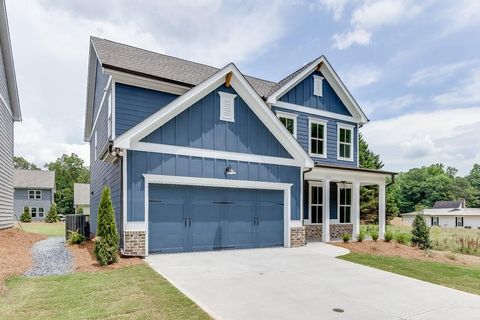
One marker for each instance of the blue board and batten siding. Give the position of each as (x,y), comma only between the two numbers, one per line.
(139,163)
(200,127)
(134,104)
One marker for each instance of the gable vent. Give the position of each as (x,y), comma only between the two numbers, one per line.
(227,106)
(318,86)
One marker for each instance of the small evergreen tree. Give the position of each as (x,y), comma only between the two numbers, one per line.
(25,217)
(420,232)
(106,243)
(52,215)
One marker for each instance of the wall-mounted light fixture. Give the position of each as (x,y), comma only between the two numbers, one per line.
(230,171)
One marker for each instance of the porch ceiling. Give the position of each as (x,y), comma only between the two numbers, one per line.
(348,174)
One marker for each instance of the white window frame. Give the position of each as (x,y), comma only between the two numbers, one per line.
(95,144)
(435,221)
(325,129)
(35,192)
(43,213)
(36,212)
(312,184)
(229,98)
(344,205)
(456,222)
(291,116)
(343,126)
(318,86)
(109,108)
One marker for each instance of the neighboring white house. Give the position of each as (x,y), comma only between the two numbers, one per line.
(448,214)
(81,197)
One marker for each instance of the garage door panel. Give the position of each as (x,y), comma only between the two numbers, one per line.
(271,221)
(166,226)
(205,228)
(237,226)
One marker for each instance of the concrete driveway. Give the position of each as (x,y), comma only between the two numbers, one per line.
(306,283)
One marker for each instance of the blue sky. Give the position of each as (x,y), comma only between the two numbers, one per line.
(413,66)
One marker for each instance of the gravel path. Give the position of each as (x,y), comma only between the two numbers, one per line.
(50,256)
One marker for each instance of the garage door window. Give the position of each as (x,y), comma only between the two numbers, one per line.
(316,204)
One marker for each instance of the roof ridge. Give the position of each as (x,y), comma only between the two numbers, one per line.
(177,58)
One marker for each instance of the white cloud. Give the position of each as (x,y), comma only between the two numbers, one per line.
(416,139)
(361,76)
(391,104)
(460,15)
(466,93)
(436,74)
(370,15)
(335,6)
(50,42)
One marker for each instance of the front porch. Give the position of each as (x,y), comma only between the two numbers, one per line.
(332,201)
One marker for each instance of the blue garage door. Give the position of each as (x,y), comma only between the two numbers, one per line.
(183,218)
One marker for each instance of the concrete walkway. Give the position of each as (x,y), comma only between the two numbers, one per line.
(306,283)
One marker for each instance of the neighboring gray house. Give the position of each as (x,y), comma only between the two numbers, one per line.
(34,189)
(9,112)
(81,197)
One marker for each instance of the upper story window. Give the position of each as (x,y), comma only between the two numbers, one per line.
(109,104)
(227,106)
(318,137)
(345,204)
(289,120)
(318,86)
(34,194)
(345,142)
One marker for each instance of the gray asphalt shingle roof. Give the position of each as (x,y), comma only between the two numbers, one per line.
(34,179)
(81,194)
(120,56)
(448,204)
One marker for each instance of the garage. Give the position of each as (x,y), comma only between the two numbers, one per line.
(190,218)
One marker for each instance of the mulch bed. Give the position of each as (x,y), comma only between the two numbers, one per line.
(392,249)
(84,259)
(15,252)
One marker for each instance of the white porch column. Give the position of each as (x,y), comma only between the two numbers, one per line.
(356,208)
(381,210)
(326,211)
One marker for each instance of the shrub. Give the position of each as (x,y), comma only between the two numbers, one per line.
(80,210)
(361,236)
(388,236)
(75,237)
(106,242)
(346,237)
(451,256)
(374,235)
(420,232)
(52,215)
(401,238)
(26,217)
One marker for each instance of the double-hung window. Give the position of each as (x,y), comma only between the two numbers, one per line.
(35,194)
(318,137)
(345,142)
(316,203)
(435,221)
(33,212)
(459,221)
(345,204)
(289,121)
(41,212)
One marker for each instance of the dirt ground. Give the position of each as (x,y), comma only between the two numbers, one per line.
(84,259)
(383,248)
(15,252)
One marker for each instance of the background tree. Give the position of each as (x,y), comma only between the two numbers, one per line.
(52,215)
(69,169)
(420,232)
(22,163)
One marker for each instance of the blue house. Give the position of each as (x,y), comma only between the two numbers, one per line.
(200,158)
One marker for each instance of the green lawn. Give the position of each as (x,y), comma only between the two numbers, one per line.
(453,276)
(46,229)
(135,292)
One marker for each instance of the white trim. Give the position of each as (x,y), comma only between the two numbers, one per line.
(365,178)
(317,112)
(126,224)
(311,184)
(143,82)
(324,123)
(350,187)
(114,112)
(244,90)
(333,79)
(95,145)
(291,116)
(358,145)
(34,194)
(214,154)
(352,146)
(102,102)
(222,183)
(317,81)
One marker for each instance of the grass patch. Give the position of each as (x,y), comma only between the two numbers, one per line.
(135,292)
(453,276)
(46,229)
